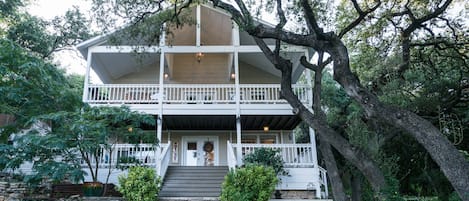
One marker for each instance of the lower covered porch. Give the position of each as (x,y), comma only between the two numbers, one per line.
(212,150)
(223,141)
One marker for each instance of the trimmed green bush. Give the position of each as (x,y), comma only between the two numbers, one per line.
(141,184)
(251,183)
(267,157)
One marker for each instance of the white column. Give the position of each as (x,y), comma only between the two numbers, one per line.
(159,118)
(282,140)
(197,27)
(235,34)
(237,85)
(238,109)
(161,82)
(312,139)
(163,36)
(310,83)
(159,129)
(86,90)
(239,154)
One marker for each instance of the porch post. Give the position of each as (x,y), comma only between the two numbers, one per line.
(159,117)
(312,139)
(159,130)
(86,90)
(239,153)
(197,30)
(310,84)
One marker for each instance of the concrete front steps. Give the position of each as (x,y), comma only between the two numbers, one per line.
(192,183)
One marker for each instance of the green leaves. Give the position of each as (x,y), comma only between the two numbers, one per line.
(251,183)
(78,135)
(141,184)
(267,157)
(31,86)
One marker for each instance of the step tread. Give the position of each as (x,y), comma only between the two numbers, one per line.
(193,181)
(189,194)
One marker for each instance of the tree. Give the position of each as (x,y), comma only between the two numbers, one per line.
(84,134)
(90,130)
(414,22)
(31,87)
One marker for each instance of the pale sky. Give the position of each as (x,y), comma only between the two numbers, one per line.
(51,8)
(48,9)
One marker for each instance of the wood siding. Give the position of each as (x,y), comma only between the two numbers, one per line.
(252,75)
(147,75)
(212,69)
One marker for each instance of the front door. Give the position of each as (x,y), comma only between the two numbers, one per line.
(200,151)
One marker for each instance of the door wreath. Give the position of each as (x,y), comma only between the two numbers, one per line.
(208,147)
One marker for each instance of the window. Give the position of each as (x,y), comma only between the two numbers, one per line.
(259,139)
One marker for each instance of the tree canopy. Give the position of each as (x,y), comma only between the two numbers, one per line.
(401,65)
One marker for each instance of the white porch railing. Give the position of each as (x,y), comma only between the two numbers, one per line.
(231,157)
(123,93)
(164,160)
(323,181)
(199,93)
(126,154)
(190,93)
(294,155)
(269,93)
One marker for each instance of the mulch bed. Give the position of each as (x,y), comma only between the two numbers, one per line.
(67,190)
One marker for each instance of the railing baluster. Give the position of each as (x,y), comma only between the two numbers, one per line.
(180,93)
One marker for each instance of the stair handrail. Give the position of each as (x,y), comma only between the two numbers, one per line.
(164,160)
(231,158)
(323,180)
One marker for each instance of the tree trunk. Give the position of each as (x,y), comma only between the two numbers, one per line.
(356,184)
(451,162)
(453,165)
(338,191)
(355,156)
(326,149)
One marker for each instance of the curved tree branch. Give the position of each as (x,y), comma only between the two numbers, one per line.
(361,15)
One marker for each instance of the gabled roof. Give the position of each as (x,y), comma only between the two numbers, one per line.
(245,39)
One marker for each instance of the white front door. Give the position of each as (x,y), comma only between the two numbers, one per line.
(200,151)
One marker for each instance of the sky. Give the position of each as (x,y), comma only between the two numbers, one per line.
(48,9)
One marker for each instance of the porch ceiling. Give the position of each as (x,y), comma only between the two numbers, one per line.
(110,66)
(228,122)
(196,122)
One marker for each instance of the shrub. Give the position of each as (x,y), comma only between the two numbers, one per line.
(141,184)
(251,183)
(267,157)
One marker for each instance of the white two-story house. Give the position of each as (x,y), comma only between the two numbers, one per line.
(215,98)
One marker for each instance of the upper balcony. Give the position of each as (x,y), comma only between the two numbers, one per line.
(209,68)
(197,98)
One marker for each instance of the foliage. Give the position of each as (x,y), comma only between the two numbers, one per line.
(43,37)
(267,157)
(301,133)
(75,136)
(251,183)
(31,87)
(91,129)
(408,56)
(125,162)
(141,184)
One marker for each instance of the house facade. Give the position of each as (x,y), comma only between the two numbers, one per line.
(213,93)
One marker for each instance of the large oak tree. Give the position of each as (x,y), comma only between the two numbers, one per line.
(407,24)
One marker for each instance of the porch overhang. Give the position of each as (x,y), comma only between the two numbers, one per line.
(228,122)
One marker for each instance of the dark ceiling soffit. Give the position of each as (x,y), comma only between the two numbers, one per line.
(228,122)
